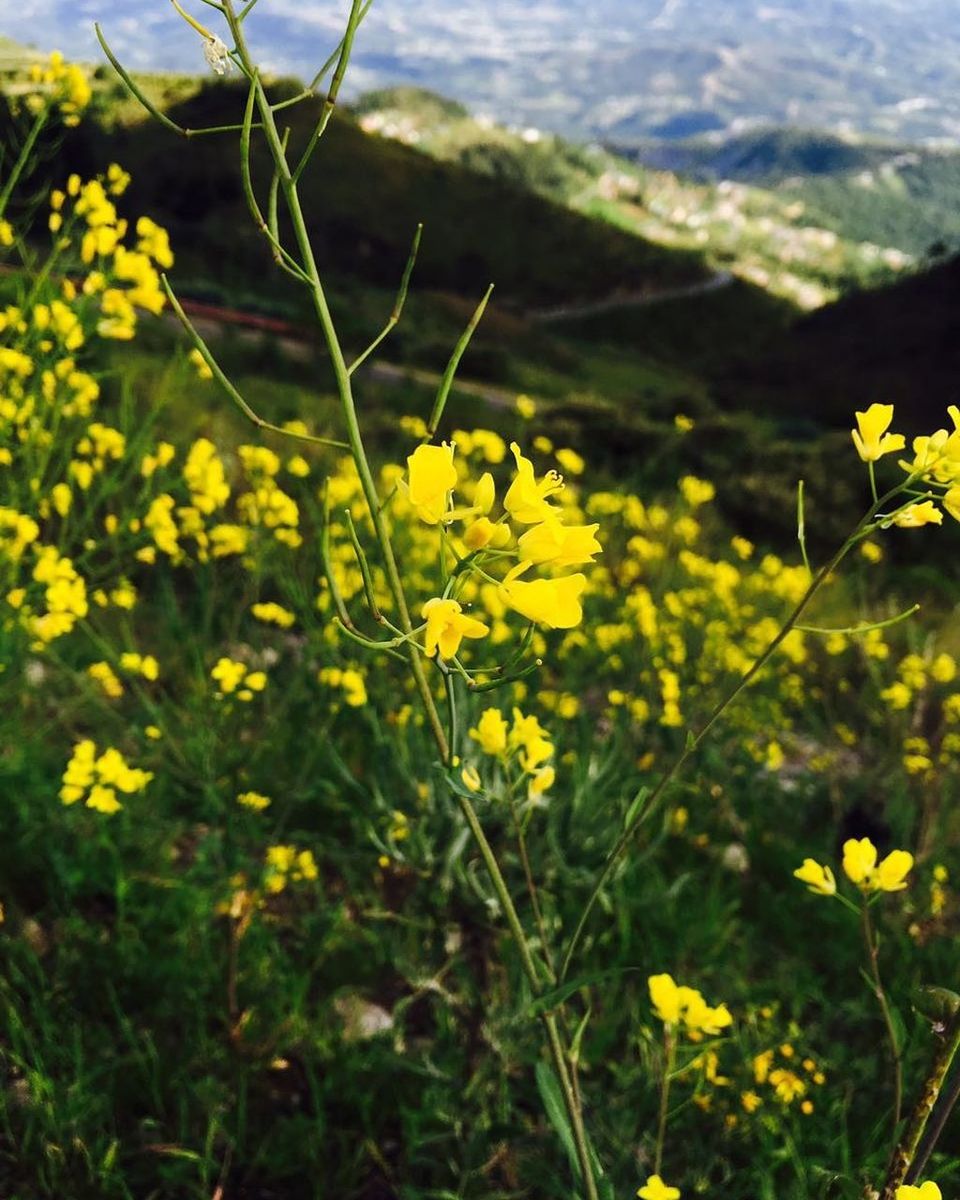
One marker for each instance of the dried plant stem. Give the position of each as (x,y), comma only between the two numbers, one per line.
(906,1152)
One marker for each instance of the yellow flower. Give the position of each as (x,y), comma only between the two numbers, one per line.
(471,778)
(560,545)
(254,801)
(551,602)
(656,1189)
(820,880)
(542,781)
(871,438)
(926,1191)
(915,515)
(859,861)
(892,872)
(491,732)
(483,532)
(665,997)
(526,499)
(860,865)
(274,614)
(431,477)
(447,627)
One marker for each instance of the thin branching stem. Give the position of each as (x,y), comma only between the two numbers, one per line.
(873,956)
(694,741)
(397,311)
(446,383)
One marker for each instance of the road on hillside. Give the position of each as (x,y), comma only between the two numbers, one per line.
(594,308)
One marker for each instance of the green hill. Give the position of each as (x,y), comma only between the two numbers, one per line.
(888,193)
(364,197)
(772,239)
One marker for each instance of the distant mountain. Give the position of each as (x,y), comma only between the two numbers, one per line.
(864,189)
(621,69)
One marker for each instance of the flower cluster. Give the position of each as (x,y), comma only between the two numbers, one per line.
(547,542)
(935,465)
(62,84)
(524,744)
(97,778)
(287,864)
(861,867)
(236,678)
(677,1005)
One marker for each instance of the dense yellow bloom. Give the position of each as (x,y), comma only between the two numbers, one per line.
(819,879)
(205,477)
(696,491)
(351,681)
(273,614)
(787,1085)
(526,499)
(447,626)
(431,477)
(491,732)
(656,1189)
(96,780)
(103,673)
(871,438)
(228,674)
(551,602)
(287,863)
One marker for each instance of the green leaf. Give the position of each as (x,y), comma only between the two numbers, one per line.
(556,996)
(556,1111)
(635,805)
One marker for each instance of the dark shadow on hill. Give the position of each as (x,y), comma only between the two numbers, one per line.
(899,345)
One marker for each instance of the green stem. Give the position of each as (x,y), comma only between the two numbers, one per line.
(669,1061)
(23,157)
(344,388)
(873,953)
(557,1052)
(694,741)
(531,885)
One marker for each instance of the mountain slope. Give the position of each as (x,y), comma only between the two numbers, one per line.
(899,344)
(364,197)
(884,192)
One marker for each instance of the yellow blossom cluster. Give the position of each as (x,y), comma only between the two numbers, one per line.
(97,778)
(935,465)
(62,84)
(348,680)
(861,867)
(523,742)
(547,542)
(235,678)
(680,1006)
(287,864)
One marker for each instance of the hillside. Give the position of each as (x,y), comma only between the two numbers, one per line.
(889,193)
(899,344)
(767,238)
(365,197)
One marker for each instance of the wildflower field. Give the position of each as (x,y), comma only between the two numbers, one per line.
(397,802)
